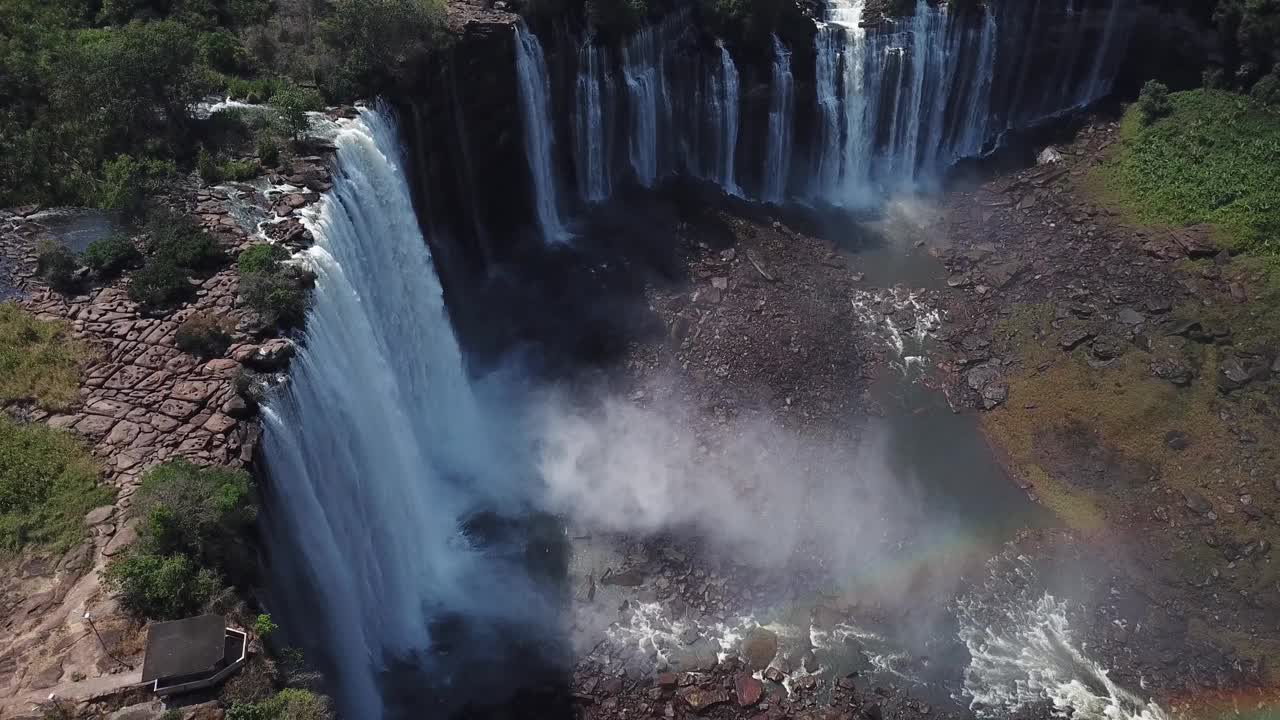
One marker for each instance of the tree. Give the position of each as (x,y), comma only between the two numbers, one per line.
(293,103)
(378,38)
(1153,101)
(160,587)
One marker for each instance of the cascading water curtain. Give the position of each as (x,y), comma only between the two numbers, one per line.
(534,89)
(378,449)
(777,159)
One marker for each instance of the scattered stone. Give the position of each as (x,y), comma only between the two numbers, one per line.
(1175,370)
(774,675)
(748,689)
(1177,440)
(759,648)
(631,577)
(1197,502)
(1073,338)
(1107,347)
(1049,156)
(720,283)
(1129,316)
(701,699)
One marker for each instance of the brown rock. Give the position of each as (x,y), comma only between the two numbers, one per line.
(123,538)
(47,676)
(95,425)
(701,699)
(219,423)
(748,689)
(759,648)
(178,409)
(97,516)
(193,391)
(123,433)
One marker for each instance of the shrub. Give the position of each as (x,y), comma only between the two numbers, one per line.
(262,258)
(263,626)
(268,152)
(1213,78)
(176,238)
(239,170)
(109,256)
(222,51)
(48,481)
(204,336)
(293,103)
(377,39)
(160,587)
(39,360)
(288,704)
(1267,90)
(159,285)
(279,298)
(128,181)
(56,265)
(1153,102)
(207,167)
(198,511)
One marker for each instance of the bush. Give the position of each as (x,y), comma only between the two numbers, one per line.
(57,266)
(1213,78)
(262,258)
(1267,90)
(268,152)
(204,336)
(263,626)
(1153,102)
(109,256)
(159,285)
(239,170)
(207,167)
(193,510)
(288,704)
(279,298)
(128,182)
(293,103)
(222,51)
(253,684)
(177,239)
(160,587)
(377,39)
(48,481)
(39,360)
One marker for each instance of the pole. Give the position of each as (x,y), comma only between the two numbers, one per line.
(105,649)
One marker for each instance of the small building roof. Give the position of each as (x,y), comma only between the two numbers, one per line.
(180,648)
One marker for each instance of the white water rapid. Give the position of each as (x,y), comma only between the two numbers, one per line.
(378,448)
(534,89)
(1023,651)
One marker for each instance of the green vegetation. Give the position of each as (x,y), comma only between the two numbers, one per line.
(275,290)
(263,626)
(288,704)
(56,265)
(39,360)
(1250,30)
(378,38)
(159,285)
(204,335)
(191,521)
(1153,102)
(48,481)
(109,256)
(1215,158)
(176,237)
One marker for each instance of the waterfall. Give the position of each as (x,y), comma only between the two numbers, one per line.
(729,107)
(534,88)
(777,160)
(649,100)
(594,90)
(826,170)
(377,447)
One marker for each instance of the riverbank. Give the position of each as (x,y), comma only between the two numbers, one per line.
(1134,396)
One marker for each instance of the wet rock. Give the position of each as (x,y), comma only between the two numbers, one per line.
(702,699)
(1049,156)
(702,656)
(759,648)
(748,690)
(994,395)
(1003,275)
(668,680)
(982,376)
(1177,440)
(1107,347)
(959,281)
(1235,372)
(774,675)
(631,577)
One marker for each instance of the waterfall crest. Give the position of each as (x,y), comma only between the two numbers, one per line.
(378,448)
(534,88)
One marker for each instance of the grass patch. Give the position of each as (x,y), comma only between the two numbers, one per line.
(39,360)
(1215,158)
(48,481)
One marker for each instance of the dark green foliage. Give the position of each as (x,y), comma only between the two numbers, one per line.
(279,298)
(194,510)
(375,39)
(159,587)
(176,238)
(268,152)
(159,285)
(204,336)
(56,265)
(255,90)
(288,704)
(262,258)
(128,181)
(222,52)
(1215,159)
(192,520)
(293,103)
(1250,32)
(1213,78)
(1267,90)
(109,256)
(213,170)
(207,167)
(48,481)
(1153,102)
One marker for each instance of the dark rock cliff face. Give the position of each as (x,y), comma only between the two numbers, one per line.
(1012,64)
